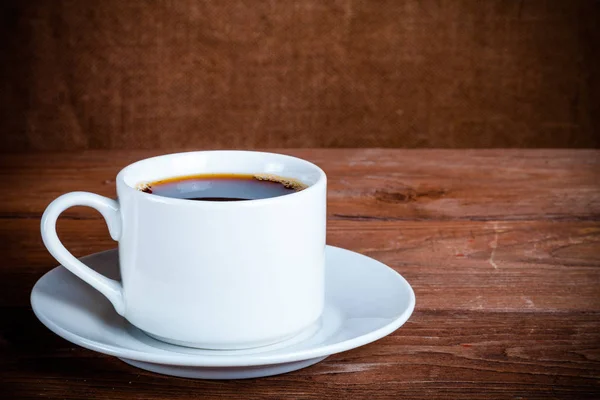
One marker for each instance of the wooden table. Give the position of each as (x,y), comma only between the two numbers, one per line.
(502,248)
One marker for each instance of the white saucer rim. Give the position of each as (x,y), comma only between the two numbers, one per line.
(194,360)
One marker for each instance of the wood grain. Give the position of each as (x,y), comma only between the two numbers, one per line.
(373,184)
(502,248)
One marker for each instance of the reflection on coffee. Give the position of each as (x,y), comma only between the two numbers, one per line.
(223,187)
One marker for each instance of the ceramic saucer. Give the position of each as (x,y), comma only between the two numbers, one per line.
(365,301)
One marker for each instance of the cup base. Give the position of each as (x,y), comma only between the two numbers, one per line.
(269,344)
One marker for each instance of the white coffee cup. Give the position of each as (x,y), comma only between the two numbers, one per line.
(214,275)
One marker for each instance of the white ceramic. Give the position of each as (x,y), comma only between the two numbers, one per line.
(364,301)
(214,275)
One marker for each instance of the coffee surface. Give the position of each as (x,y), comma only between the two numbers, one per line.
(223,187)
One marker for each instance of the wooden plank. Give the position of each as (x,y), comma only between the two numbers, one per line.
(364,184)
(453,265)
(467,355)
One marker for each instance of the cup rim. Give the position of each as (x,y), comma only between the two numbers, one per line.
(321,181)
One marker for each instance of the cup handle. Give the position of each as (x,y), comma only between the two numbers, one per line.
(109,209)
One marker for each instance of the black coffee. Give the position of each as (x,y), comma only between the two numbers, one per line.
(223,187)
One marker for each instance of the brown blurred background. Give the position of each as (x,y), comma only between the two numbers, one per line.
(304,73)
